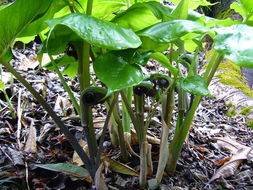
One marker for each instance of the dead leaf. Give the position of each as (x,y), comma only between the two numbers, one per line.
(31,145)
(17,157)
(99,122)
(99,178)
(239,156)
(119,167)
(127,138)
(221,161)
(150,138)
(63,105)
(201,149)
(25,62)
(76,159)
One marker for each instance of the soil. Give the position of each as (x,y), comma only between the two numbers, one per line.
(33,139)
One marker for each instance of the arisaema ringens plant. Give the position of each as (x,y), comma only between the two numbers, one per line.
(117,44)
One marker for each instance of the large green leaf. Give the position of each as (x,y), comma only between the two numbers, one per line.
(116,72)
(78,27)
(142,15)
(194,85)
(170,31)
(70,169)
(18,16)
(39,25)
(106,9)
(236,44)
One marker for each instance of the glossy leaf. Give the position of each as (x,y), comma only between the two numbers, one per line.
(134,56)
(142,15)
(116,72)
(70,169)
(106,9)
(194,85)
(38,25)
(15,18)
(119,167)
(236,44)
(170,31)
(96,32)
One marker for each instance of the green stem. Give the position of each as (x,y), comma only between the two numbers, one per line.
(179,137)
(120,131)
(143,144)
(110,111)
(125,116)
(83,50)
(181,107)
(65,85)
(130,112)
(139,107)
(57,120)
(89,7)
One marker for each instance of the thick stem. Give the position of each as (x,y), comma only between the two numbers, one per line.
(167,116)
(139,107)
(181,107)
(143,144)
(65,85)
(56,119)
(179,137)
(143,165)
(125,116)
(83,51)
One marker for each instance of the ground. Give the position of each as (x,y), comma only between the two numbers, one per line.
(33,138)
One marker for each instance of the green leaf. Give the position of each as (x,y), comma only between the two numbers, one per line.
(236,44)
(18,16)
(104,9)
(165,62)
(142,15)
(194,4)
(134,56)
(37,26)
(78,27)
(116,72)
(166,32)
(70,169)
(119,167)
(194,85)
(243,7)
(69,63)
(181,10)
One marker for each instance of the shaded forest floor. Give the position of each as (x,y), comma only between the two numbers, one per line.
(32,138)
